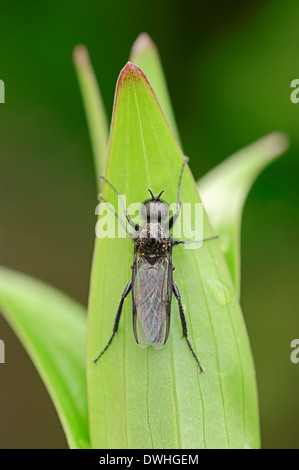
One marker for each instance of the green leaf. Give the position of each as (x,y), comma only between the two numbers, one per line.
(224,190)
(145,55)
(52,328)
(94,108)
(157,398)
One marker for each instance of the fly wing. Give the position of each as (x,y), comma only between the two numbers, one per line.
(152,289)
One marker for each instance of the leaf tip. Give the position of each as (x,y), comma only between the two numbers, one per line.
(130,71)
(278,142)
(142,43)
(80,55)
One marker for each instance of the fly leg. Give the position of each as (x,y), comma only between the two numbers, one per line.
(184,323)
(110,207)
(172,219)
(185,242)
(135,226)
(117,318)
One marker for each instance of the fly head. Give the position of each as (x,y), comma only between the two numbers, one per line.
(154,210)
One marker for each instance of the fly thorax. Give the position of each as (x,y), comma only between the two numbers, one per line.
(153,241)
(154,231)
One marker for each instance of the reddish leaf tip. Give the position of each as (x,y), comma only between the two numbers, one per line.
(129,71)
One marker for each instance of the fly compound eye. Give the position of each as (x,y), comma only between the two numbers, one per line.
(145,210)
(161,210)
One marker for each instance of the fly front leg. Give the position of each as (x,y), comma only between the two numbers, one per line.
(135,226)
(184,323)
(101,198)
(173,219)
(117,318)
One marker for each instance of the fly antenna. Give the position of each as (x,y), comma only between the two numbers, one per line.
(153,197)
(158,197)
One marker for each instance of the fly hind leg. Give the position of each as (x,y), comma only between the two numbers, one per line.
(117,318)
(184,323)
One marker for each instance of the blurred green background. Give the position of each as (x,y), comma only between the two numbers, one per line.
(229,66)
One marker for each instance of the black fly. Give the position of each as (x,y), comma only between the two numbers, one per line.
(152,284)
